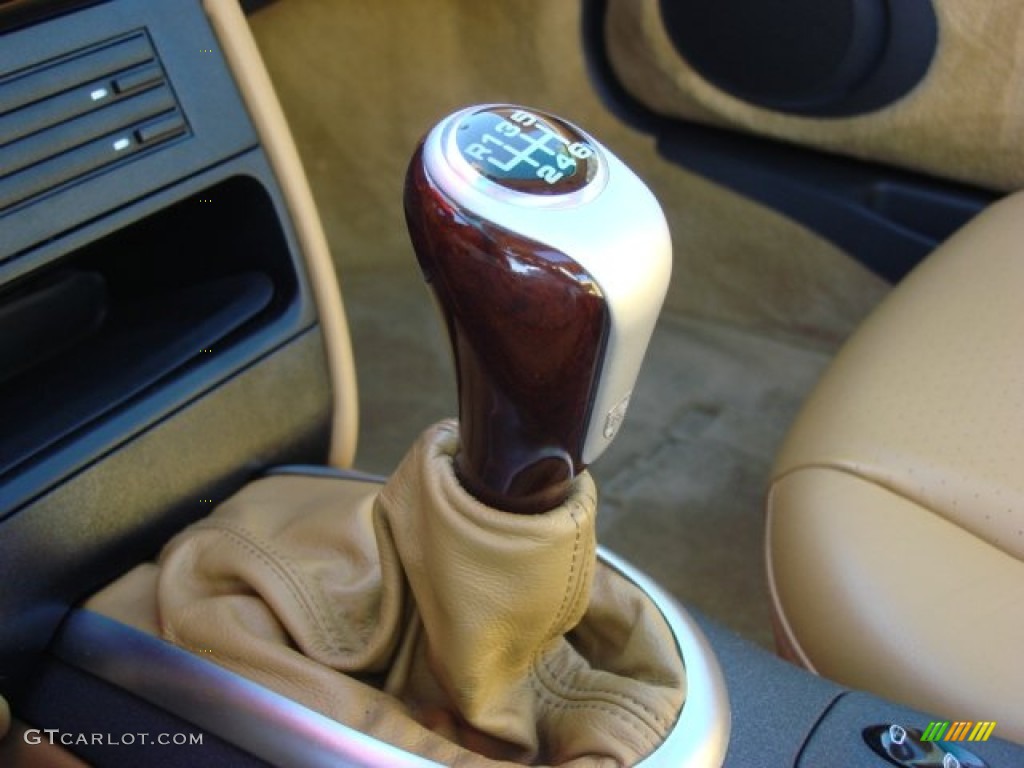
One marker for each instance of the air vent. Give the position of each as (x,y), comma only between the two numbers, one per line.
(69,117)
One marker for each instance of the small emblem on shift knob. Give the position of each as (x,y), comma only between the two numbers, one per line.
(615,417)
(526,151)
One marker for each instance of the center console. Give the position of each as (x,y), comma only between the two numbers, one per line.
(164,286)
(171,329)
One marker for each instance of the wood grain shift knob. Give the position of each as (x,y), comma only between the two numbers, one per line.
(549,260)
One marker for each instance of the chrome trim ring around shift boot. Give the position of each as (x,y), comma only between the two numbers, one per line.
(700,736)
(283,732)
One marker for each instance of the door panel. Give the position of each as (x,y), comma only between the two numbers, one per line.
(962,122)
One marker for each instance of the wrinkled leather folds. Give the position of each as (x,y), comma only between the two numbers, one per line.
(418,615)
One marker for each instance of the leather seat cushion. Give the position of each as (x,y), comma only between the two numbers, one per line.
(895,538)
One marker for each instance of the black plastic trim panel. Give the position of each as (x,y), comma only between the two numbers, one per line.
(784,716)
(888,219)
(118,512)
(838,738)
(198,77)
(64,119)
(313,470)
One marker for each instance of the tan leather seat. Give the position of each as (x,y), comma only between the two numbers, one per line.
(895,528)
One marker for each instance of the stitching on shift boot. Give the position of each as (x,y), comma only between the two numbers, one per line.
(647,738)
(568,688)
(324,634)
(554,630)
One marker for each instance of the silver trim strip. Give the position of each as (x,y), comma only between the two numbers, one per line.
(700,738)
(283,732)
(238,710)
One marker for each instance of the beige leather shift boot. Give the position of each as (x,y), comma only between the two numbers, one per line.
(418,615)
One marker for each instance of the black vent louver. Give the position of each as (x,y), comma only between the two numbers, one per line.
(69,117)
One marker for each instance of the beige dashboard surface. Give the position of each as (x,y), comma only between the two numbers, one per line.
(963,121)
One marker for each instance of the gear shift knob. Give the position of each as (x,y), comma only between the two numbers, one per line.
(549,260)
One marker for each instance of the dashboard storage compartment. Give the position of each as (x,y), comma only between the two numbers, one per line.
(122,314)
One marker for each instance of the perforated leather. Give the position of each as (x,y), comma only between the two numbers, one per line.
(896,517)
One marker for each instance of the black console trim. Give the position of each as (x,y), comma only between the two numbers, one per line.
(118,512)
(197,80)
(183,258)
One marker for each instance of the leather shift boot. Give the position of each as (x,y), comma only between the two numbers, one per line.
(416,614)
